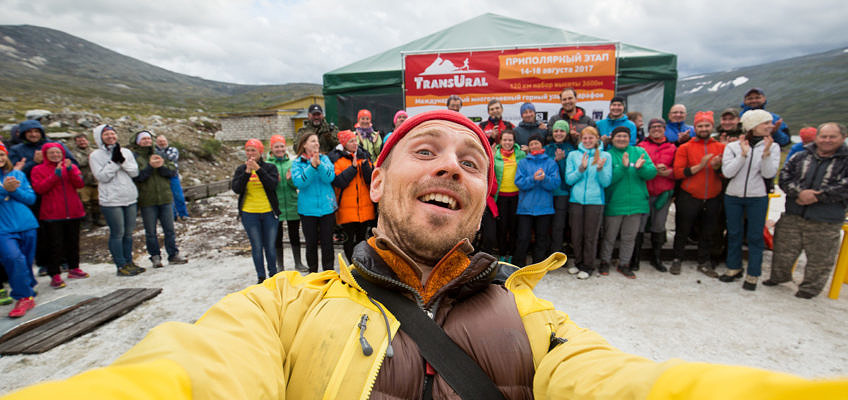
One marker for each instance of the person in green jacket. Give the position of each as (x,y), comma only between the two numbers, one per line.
(287,199)
(507,156)
(155,199)
(627,199)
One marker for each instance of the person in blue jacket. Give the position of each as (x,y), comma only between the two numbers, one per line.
(588,170)
(313,174)
(537,177)
(17,234)
(32,138)
(755,99)
(558,151)
(677,131)
(614,119)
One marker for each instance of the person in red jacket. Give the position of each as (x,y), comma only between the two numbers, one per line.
(61,211)
(660,189)
(698,164)
(352,183)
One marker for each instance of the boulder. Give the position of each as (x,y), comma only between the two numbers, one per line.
(37,114)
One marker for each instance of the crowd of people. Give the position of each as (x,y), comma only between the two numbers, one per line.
(570,184)
(49,192)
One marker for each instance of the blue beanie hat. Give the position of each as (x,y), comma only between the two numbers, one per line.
(527,106)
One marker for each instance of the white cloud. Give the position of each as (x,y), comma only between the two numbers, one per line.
(265,41)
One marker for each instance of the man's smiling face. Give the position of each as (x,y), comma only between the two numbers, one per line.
(432,189)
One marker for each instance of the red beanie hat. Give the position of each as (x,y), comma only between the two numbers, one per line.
(255,143)
(3,148)
(808,134)
(445,115)
(704,116)
(345,136)
(277,139)
(363,113)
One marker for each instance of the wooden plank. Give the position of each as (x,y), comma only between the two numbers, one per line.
(218,187)
(195,192)
(41,314)
(92,323)
(17,344)
(78,322)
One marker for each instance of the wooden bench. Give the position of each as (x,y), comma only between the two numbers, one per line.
(76,322)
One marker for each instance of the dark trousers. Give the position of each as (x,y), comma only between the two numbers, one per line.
(354,233)
(293,226)
(507,224)
(585,221)
(317,229)
(527,224)
(63,237)
(487,237)
(690,212)
(560,223)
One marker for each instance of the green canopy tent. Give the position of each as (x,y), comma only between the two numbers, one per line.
(647,78)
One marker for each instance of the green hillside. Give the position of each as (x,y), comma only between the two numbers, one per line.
(806,90)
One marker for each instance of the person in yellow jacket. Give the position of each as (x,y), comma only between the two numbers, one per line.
(304,337)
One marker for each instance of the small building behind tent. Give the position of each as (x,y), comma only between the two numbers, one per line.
(646,78)
(281,119)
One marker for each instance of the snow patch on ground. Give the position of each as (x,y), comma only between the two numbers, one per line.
(689,78)
(739,81)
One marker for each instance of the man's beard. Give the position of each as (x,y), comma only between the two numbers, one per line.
(423,245)
(316,122)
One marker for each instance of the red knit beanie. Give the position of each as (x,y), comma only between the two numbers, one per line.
(444,115)
(255,143)
(277,139)
(345,136)
(704,116)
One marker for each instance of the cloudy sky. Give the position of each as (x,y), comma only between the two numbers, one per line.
(279,41)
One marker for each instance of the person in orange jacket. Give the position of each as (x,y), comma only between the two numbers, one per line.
(352,183)
(698,164)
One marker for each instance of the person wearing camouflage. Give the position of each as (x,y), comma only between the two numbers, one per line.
(815,181)
(327,132)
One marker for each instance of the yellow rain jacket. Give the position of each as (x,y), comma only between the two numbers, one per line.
(296,337)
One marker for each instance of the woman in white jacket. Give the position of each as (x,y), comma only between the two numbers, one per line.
(114,167)
(748,163)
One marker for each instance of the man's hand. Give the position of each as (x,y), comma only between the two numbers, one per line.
(684,136)
(156,161)
(705,159)
(10,184)
(807,197)
(585,163)
(601,163)
(543,125)
(625,160)
(640,162)
(715,162)
(19,166)
(539,175)
(37,157)
(767,141)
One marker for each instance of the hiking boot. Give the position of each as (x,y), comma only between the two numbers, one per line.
(177,259)
(583,275)
(4,298)
(771,282)
(626,272)
(573,270)
(298,266)
(731,275)
(77,273)
(656,251)
(42,271)
(260,280)
(603,269)
(802,295)
(637,252)
(675,267)
(750,283)
(56,282)
(130,270)
(157,261)
(707,270)
(21,307)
